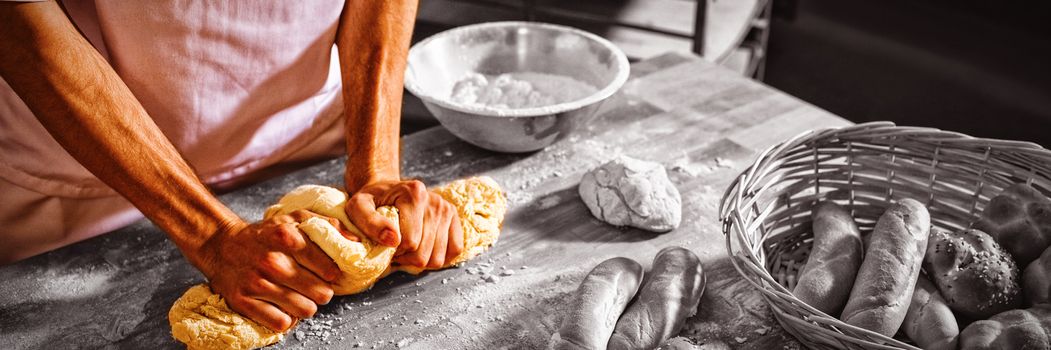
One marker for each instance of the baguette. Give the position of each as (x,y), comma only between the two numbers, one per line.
(884,285)
(826,279)
(671,294)
(600,299)
(929,321)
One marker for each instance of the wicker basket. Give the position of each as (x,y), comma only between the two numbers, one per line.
(765,213)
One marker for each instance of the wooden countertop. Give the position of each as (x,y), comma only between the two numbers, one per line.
(703,122)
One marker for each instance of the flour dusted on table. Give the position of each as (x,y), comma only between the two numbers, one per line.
(518,90)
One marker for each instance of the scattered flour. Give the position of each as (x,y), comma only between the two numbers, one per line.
(518,90)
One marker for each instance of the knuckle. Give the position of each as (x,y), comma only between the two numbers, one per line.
(301,214)
(413,241)
(360,200)
(257,286)
(416,188)
(272,264)
(238,303)
(289,237)
(417,260)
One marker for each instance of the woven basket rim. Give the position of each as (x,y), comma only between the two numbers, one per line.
(747,257)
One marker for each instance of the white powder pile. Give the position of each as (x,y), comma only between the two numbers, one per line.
(518,90)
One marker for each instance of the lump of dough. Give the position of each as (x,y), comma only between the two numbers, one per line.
(362,262)
(480,204)
(205,322)
(632,192)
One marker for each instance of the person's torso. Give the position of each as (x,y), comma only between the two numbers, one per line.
(235,85)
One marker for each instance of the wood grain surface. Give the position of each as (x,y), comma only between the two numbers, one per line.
(703,122)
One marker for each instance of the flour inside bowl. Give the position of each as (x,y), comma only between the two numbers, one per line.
(518,90)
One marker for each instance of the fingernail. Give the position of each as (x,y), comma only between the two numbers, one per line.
(389,237)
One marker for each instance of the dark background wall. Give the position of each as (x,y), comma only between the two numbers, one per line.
(978,67)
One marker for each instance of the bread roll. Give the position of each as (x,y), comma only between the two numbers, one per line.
(598,303)
(1027,329)
(672,291)
(975,275)
(1036,281)
(1020,220)
(826,279)
(929,322)
(882,291)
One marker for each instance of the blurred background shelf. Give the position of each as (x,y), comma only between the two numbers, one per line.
(718,30)
(973,66)
(732,33)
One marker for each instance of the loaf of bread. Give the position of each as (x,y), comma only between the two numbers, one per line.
(671,294)
(884,285)
(1025,329)
(597,305)
(976,276)
(1020,220)
(826,279)
(929,322)
(1036,280)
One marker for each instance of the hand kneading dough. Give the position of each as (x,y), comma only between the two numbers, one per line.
(631,192)
(202,320)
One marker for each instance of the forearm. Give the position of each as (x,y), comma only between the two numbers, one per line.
(86,107)
(373,42)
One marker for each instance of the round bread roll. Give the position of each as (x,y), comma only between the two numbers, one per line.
(598,303)
(930,323)
(880,297)
(1036,280)
(974,274)
(1020,220)
(202,320)
(826,279)
(1026,329)
(672,291)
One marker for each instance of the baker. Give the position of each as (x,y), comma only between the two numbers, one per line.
(114,110)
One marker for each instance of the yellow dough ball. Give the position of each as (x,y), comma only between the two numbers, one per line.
(205,322)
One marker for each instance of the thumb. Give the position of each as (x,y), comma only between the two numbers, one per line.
(361,209)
